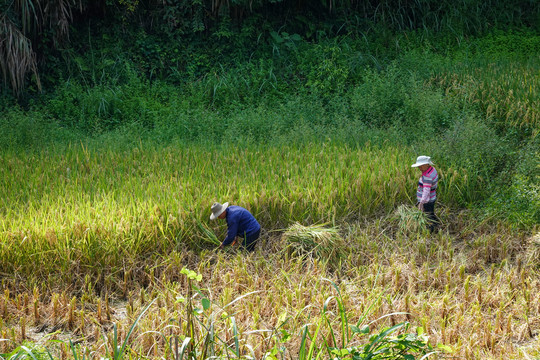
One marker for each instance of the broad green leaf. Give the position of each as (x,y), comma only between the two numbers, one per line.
(445,348)
(205,303)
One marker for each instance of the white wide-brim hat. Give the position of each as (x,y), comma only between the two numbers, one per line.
(422,160)
(218,209)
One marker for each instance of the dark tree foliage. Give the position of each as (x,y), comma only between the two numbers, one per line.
(32,29)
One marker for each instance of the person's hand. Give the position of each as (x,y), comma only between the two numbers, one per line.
(420,206)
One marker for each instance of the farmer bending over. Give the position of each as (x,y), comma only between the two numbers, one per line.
(240,223)
(426,193)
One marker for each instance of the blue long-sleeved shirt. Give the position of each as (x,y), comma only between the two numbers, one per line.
(240,222)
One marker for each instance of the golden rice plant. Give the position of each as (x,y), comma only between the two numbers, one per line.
(508,92)
(94,209)
(449,285)
(127,221)
(208,235)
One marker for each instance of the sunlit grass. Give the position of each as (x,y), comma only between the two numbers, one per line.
(87,211)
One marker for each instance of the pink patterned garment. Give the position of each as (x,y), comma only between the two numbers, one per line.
(427,186)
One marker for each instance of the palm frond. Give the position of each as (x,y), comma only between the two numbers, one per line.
(17,58)
(58,14)
(30,13)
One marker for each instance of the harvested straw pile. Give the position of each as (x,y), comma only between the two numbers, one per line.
(409,219)
(314,241)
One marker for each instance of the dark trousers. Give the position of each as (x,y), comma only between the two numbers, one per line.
(251,239)
(433,220)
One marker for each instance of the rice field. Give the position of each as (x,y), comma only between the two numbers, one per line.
(84,211)
(95,243)
(505,91)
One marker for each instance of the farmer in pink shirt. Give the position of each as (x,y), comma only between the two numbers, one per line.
(426,193)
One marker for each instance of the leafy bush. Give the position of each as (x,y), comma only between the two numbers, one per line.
(386,345)
(474,148)
(20,130)
(27,351)
(519,203)
(324,68)
(397,98)
(107,107)
(503,43)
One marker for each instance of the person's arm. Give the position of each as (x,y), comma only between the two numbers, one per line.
(231,232)
(426,190)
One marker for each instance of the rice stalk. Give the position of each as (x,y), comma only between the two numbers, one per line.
(209,235)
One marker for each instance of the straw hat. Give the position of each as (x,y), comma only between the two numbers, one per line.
(422,160)
(218,209)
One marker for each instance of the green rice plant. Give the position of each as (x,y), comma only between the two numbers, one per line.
(314,241)
(209,235)
(28,351)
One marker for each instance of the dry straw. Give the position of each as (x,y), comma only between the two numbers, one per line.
(533,251)
(409,219)
(314,241)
